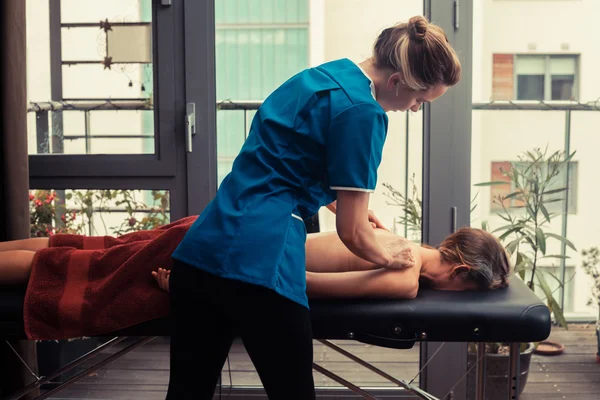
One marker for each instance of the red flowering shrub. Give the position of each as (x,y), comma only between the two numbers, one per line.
(48,216)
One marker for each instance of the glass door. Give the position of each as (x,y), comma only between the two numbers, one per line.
(96,99)
(102,102)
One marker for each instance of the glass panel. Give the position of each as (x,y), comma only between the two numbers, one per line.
(562,87)
(97,212)
(531,65)
(92,11)
(89,81)
(530,87)
(563,65)
(104,60)
(243,12)
(525,150)
(582,225)
(251,63)
(83,44)
(259,45)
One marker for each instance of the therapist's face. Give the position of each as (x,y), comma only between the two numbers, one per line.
(397,96)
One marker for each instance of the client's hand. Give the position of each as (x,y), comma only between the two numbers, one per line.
(402,254)
(162,278)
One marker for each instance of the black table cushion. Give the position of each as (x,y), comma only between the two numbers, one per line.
(513,314)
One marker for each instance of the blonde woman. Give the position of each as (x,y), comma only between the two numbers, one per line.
(316,139)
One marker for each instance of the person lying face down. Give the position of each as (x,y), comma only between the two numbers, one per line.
(469,259)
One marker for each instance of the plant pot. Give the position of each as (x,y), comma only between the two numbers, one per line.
(496,374)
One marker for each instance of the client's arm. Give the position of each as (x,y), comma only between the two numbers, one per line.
(381,283)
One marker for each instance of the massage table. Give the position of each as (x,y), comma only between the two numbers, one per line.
(513,315)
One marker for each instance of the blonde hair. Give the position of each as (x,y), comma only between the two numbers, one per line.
(421,51)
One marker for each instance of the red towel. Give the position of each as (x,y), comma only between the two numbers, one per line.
(86,286)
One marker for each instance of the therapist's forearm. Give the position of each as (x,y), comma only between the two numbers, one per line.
(354,228)
(361,241)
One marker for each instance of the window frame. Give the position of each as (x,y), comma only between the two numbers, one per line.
(162,162)
(163,170)
(547,75)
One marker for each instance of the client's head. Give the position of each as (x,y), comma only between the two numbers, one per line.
(472,259)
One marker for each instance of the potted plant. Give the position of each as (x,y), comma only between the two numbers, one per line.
(591,266)
(533,183)
(496,369)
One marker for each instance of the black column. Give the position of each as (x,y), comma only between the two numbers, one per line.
(14,172)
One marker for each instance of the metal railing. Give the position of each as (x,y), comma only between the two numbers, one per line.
(42,109)
(47,139)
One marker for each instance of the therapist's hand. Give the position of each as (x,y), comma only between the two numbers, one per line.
(375,222)
(402,254)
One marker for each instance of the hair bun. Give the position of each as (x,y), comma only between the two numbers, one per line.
(417,28)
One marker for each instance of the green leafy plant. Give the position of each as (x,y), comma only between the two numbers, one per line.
(534,185)
(101,201)
(50,216)
(411,207)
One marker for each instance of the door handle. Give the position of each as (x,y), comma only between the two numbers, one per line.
(454,220)
(190,125)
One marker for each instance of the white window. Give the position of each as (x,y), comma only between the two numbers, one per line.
(546,77)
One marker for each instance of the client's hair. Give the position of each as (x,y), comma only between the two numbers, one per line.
(481,251)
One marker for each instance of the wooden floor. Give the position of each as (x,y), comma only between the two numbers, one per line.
(143,373)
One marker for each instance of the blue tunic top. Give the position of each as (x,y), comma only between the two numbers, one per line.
(321,131)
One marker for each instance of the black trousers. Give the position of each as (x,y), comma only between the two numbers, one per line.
(208,312)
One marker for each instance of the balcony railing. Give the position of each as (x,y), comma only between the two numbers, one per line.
(41,110)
